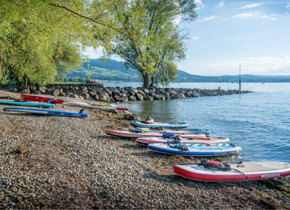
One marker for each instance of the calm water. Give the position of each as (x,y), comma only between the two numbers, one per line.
(258,121)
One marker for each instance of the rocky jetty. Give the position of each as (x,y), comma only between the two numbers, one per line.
(116,94)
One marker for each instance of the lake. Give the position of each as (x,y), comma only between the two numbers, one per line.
(257,121)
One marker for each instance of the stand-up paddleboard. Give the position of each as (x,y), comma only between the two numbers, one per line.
(184,149)
(133,134)
(26,97)
(91,106)
(177,131)
(219,172)
(7,98)
(26,103)
(152,140)
(173,125)
(46,112)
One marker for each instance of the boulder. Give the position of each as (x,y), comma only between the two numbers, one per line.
(103,96)
(26,90)
(139,96)
(56,92)
(32,89)
(50,90)
(128,115)
(85,95)
(42,89)
(132,98)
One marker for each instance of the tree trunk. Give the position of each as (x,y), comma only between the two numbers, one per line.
(1,65)
(152,82)
(146,81)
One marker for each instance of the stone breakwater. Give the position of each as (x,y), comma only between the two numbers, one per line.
(116,94)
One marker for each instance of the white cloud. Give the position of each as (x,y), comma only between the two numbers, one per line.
(195,38)
(256,14)
(93,53)
(222,3)
(250,6)
(244,15)
(288,5)
(251,65)
(208,18)
(199,4)
(268,17)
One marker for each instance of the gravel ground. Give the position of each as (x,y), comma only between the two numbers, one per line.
(59,162)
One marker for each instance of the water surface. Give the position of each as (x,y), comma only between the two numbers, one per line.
(258,121)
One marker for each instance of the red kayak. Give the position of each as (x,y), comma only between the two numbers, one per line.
(215,171)
(25,97)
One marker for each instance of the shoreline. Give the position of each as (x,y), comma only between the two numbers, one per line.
(53,162)
(97,91)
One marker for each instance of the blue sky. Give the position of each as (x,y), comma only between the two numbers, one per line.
(228,32)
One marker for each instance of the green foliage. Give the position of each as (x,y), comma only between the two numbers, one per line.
(37,39)
(149,41)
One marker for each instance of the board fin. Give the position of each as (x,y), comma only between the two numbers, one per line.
(81,111)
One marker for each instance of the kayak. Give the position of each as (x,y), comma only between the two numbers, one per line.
(204,149)
(25,103)
(176,131)
(159,124)
(40,99)
(233,172)
(46,112)
(91,106)
(133,134)
(152,140)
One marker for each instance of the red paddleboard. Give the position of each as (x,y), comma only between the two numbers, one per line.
(40,99)
(236,172)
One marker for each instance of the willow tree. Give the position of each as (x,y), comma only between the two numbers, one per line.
(150,40)
(37,39)
(145,33)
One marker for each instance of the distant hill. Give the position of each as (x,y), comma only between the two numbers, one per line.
(115,70)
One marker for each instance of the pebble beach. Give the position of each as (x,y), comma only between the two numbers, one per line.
(60,162)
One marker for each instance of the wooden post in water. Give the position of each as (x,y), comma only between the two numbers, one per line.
(240,80)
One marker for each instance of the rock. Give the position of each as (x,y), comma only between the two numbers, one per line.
(128,115)
(42,89)
(159,97)
(146,91)
(132,98)
(120,98)
(32,89)
(25,91)
(85,95)
(92,94)
(194,94)
(56,92)
(103,96)
(62,93)
(50,90)
(139,96)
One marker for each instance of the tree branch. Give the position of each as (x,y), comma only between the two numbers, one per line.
(88,18)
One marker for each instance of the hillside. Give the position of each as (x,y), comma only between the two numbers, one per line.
(96,69)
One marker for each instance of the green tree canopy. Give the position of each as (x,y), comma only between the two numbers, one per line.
(150,40)
(37,39)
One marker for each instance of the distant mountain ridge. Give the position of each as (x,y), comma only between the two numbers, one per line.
(116,70)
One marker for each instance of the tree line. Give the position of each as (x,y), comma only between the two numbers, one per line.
(39,39)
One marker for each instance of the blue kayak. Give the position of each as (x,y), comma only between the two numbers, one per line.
(198,149)
(46,112)
(26,103)
(173,125)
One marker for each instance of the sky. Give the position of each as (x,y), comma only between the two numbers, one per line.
(226,33)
